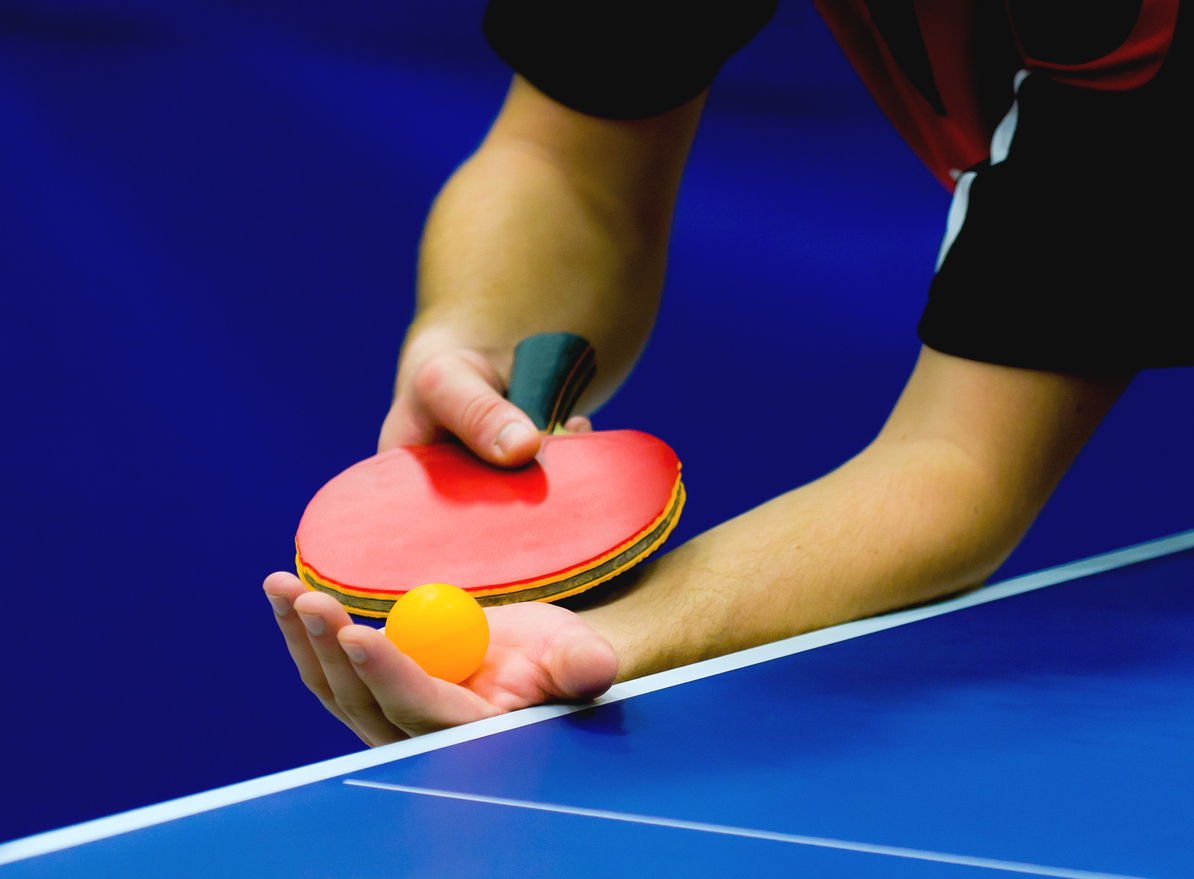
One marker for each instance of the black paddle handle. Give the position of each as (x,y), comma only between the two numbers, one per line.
(550,371)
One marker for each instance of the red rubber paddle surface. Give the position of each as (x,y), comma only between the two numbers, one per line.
(437,514)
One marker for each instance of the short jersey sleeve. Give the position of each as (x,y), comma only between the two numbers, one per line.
(622,59)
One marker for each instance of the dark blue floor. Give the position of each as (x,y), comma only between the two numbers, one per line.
(208,219)
(1051,728)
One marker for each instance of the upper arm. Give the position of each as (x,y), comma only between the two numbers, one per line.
(1018,429)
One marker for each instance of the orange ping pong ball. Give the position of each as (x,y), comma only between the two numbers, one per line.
(442,628)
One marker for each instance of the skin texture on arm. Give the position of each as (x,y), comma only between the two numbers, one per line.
(964,463)
(559,222)
(934,505)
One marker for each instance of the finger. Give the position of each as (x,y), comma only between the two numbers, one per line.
(578,424)
(282,589)
(460,391)
(579,662)
(403,426)
(411,699)
(323,617)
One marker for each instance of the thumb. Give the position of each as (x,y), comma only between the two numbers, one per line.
(581,663)
(459,391)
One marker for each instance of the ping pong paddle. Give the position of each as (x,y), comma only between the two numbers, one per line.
(586,508)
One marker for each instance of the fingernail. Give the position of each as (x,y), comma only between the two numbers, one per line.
(281,605)
(512,434)
(315,624)
(355,652)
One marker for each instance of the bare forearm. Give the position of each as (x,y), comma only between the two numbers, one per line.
(889,529)
(933,506)
(512,249)
(558,222)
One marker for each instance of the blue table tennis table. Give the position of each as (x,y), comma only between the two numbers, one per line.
(1041,726)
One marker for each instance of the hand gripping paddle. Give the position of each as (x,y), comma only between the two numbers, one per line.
(587,507)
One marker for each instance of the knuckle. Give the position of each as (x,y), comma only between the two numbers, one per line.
(432,375)
(355,705)
(410,722)
(479,412)
(317,685)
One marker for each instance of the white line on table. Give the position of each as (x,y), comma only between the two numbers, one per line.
(725,830)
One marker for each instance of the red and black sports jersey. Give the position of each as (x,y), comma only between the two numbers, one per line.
(942,70)
(1059,119)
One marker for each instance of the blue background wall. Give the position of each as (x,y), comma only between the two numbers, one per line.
(208,220)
